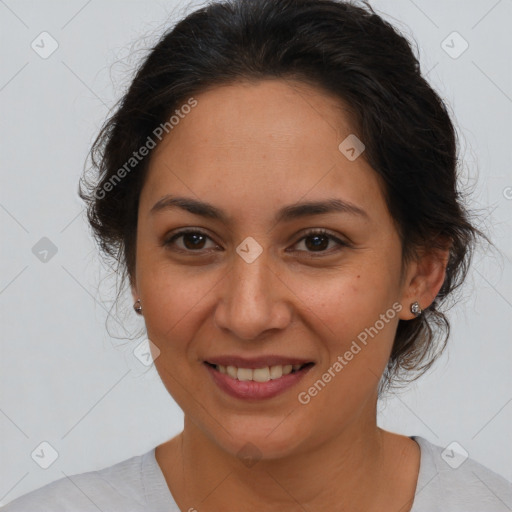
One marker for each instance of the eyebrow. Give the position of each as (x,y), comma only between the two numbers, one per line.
(287,213)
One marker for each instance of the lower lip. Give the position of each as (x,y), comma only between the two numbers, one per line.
(251,390)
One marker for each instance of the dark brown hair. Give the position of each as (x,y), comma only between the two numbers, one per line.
(341,48)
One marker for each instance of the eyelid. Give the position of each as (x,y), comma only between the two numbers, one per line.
(322,232)
(168,241)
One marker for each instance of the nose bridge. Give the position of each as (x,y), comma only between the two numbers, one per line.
(249,282)
(254,271)
(250,304)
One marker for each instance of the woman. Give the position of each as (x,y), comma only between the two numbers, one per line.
(279,188)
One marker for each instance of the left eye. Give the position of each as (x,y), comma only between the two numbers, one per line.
(319,241)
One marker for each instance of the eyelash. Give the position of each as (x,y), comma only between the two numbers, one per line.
(310,233)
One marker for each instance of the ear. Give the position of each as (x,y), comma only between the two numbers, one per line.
(425,276)
(133,288)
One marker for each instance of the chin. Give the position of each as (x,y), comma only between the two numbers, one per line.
(263,439)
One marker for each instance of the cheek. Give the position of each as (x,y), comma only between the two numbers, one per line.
(173,312)
(341,303)
(350,301)
(356,321)
(171,298)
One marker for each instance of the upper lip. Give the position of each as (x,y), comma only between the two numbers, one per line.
(256,362)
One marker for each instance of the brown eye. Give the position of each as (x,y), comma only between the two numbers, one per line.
(317,241)
(192,240)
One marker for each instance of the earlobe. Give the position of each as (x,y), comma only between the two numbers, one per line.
(416,309)
(135,293)
(424,282)
(137,304)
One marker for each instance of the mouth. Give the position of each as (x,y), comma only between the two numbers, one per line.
(263,374)
(256,379)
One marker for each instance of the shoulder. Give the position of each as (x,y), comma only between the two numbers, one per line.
(117,487)
(451,481)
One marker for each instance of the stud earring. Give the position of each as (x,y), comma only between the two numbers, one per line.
(416,309)
(138,307)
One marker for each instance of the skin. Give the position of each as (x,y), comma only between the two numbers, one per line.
(249,149)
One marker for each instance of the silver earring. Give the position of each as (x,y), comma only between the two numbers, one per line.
(416,309)
(138,307)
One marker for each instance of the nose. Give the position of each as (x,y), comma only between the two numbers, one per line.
(253,300)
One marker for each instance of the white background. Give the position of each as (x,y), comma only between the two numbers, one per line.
(66,381)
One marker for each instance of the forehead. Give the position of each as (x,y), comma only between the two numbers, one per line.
(266,114)
(271,141)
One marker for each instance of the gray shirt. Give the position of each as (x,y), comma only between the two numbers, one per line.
(137,484)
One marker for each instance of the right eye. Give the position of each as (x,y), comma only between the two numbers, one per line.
(193,240)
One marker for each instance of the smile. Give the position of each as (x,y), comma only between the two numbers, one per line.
(259,382)
(263,374)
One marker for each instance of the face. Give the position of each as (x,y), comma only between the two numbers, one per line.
(259,280)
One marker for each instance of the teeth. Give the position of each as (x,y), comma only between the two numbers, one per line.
(244,374)
(276,372)
(258,374)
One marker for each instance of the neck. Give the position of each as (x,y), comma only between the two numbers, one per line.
(335,475)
